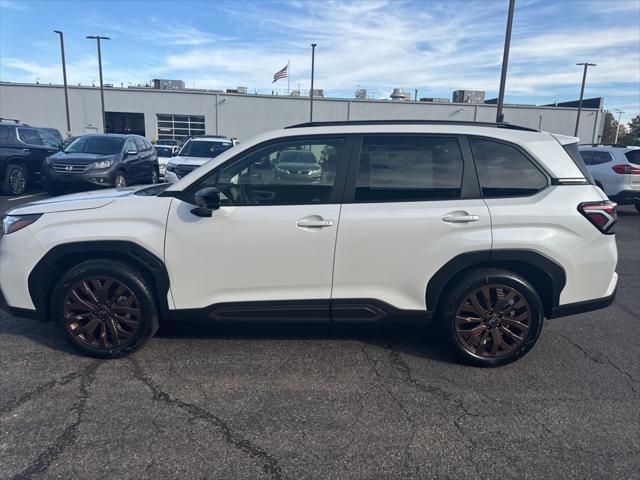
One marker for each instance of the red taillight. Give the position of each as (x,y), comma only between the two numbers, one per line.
(601,214)
(626,168)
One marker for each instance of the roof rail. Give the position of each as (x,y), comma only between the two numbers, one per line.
(411,122)
(9,120)
(614,145)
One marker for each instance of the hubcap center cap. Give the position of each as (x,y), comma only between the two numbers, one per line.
(492,321)
(103,312)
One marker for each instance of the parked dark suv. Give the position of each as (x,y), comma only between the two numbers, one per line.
(101,160)
(22,150)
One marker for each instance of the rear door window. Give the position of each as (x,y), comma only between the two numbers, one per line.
(409,169)
(504,171)
(587,156)
(30,136)
(600,158)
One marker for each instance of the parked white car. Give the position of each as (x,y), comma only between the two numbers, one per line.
(486,228)
(616,170)
(195,153)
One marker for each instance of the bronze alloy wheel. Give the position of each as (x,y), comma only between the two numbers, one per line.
(101,312)
(493,320)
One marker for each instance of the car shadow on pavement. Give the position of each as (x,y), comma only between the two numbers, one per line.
(422,341)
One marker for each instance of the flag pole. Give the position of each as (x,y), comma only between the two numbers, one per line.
(288,77)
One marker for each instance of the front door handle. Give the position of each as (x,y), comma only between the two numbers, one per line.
(460,218)
(314,223)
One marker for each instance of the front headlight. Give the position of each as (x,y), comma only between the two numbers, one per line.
(171,167)
(103,164)
(314,172)
(13,223)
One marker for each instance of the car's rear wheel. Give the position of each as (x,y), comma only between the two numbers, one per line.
(492,317)
(120,181)
(104,308)
(637,204)
(15,179)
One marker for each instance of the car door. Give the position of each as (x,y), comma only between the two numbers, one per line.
(143,166)
(35,148)
(268,251)
(412,205)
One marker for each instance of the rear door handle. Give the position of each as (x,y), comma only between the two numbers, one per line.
(460,218)
(314,223)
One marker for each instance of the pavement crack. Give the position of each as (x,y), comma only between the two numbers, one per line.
(408,459)
(26,397)
(269,464)
(68,437)
(601,359)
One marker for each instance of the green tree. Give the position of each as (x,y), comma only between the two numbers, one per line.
(610,126)
(633,137)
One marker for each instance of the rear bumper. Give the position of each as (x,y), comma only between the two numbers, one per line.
(582,307)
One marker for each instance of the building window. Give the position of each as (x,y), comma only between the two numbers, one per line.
(175,127)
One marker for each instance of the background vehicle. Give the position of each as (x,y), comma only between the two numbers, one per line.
(167,142)
(616,170)
(22,151)
(195,153)
(165,153)
(101,160)
(486,228)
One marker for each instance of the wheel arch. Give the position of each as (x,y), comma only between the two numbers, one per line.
(62,257)
(543,273)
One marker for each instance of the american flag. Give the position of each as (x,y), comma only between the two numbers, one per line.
(280,74)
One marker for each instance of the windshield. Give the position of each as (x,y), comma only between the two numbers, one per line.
(96,145)
(164,151)
(201,148)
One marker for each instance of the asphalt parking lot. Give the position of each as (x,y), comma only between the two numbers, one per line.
(309,401)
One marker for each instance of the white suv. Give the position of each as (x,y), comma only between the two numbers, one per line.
(195,153)
(486,228)
(616,170)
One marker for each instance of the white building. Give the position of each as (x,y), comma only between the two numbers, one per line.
(176,113)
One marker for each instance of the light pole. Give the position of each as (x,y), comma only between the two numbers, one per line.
(584,79)
(97,38)
(505,61)
(64,78)
(313,61)
(620,112)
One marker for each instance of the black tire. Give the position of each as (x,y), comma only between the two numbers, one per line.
(15,179)
(120,180)
(476,347)
(637,204)
(128,290)
(155,176)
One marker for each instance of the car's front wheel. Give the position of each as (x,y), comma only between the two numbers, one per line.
(155,176)
(104,308)
(637,204)
(120,181)
(492,317)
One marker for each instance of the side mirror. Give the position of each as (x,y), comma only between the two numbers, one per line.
(131,153)
(207,200)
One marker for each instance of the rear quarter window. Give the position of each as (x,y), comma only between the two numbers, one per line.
(504,171)
(633,156)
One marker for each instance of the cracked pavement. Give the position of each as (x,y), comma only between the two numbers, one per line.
(319,402)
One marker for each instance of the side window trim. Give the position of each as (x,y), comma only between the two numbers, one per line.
(35,132)
(470,187)
(548,177)
(337,191)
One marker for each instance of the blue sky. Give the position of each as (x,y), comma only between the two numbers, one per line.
(435,46)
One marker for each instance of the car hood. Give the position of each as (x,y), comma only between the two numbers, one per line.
(297,166)
(80,158)
(190,160)
(76,201)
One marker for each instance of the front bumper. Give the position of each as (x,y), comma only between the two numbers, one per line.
(100,178)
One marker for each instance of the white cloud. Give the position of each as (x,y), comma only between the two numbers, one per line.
(14,5)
